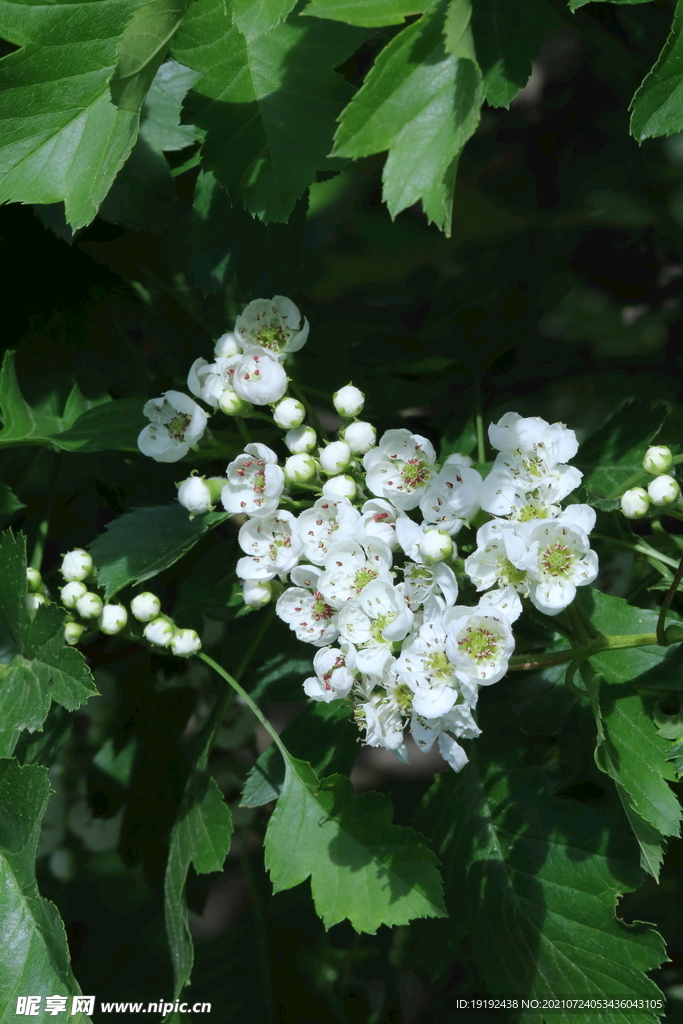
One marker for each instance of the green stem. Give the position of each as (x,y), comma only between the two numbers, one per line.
(312,414)
(642,549)
(242,427)
(576,622)
(194,161)
(44,527)
(666,604)
(521,662)
(479,424)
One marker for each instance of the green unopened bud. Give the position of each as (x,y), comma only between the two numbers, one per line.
(73,631)
(160,631)
(664,490)
(185,642)
(635,504)
(113,619)
(257,593)
(145,606)
(71,593)
(658,459)
(300,469)
(289,413)
(89,606)
(436,545)
(33,603)
(232,405)
(34,581)
(77,565)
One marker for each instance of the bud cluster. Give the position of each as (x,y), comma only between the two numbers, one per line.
(663,491)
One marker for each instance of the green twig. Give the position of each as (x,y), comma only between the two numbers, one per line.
(479,424)
(666,604)
(520,662)
(194,161)
(44,527)
(312,414)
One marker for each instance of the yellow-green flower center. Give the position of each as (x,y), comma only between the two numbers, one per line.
(439,665)
(557,560)
(272,337)
(478,643)
(179,425)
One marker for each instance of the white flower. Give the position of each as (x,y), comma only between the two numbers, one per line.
(335,457)
(383,723)
(378,519)
(76,565)
(635,503)
(658,459)
(71,593)
(145,606)
(340,486)
(372,622)
(424,666)
(73,631)
(113,619)
(458,721)
(509,490)
(89,606)
(259,378)
(453,496)
(159,631)
(255,482)
(208,381)
(533,437)
(479,640)
(423,583)
(289,413)
(178,423)
(185,642)
(257,593)
(301,468)
(349,567)
(559,560)
(226,346)
(273,324)
(400,468)
(349,400)
(232,405)
(334,674)
(305,610)
(664,490)
(301,439)
(499,558)
(195,496)
(271,544)
(328,522)
(360,437)
(436,545)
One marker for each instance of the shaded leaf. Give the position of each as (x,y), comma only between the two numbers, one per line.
(614,453)
(657,107)
(21,423)
(254,17)
(507,34)
(9,503)
(141,50)
(160,124)
(112,426)
(368,13)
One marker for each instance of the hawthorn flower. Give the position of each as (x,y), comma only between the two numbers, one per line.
(33,603)
(255,482)
(658,459)
(383,723)
(159,631)
(349,400)
(257,593)
(289,413)
(113,619)
(360,437)
(349,567)
(499,558)
(327,523)
(34,581)
(71,593)
(433,586)
(334,674)
(145,606)
(635,504)
(89,605)
(272,324)
(378,519)
(178,424)
(185,642)
(479,640)
(76,565)
(259,378)
(458,721)
(342,485)
(73,631)
(198,495)
(424,666)
(453,496)
(509,492)
(208,381)
(300,469)
(305,609)
(301,439)
(559,560)
(271,544)
(664,490)
(400,468)
(372,621)
(534,437)
(226,346)
(335,457)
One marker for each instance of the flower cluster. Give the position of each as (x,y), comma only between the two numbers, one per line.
(364,566)
(663,490)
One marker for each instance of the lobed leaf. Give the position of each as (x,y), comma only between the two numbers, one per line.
(614,453)
(361,866)
(42,668)
(507,34)
(34,959)
(141,50)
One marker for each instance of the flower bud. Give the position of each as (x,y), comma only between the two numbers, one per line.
(71,593)
(73,631)
(300,469)
(113,619)
(348,401)
(289,413)
(145,606)
(89,605)
(34,581)
(658,459)
(76,565)
(436,545)
(257,593)
(301,439)
(635,503)
(360,437)
(33,603)
(232,405)
(340,486)
(185,642)
(226,346)
(335,457)
(159,631)
(194,495)
(62,864)
(664,490)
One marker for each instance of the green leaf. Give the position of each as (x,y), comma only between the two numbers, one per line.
(141,50)
(361,866)
(141,543)
(323,733)
(213,235)
(9,503)
(42,668)
(254,17)
(112,426)
(22,424)
(268,102)
(62,137)
(507,34)
(614,453)
(160,123)
(201,836)
(575,4)
(367,13)
(629,748)
(534,881)
(420,101)
(657,107)
(34,959)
